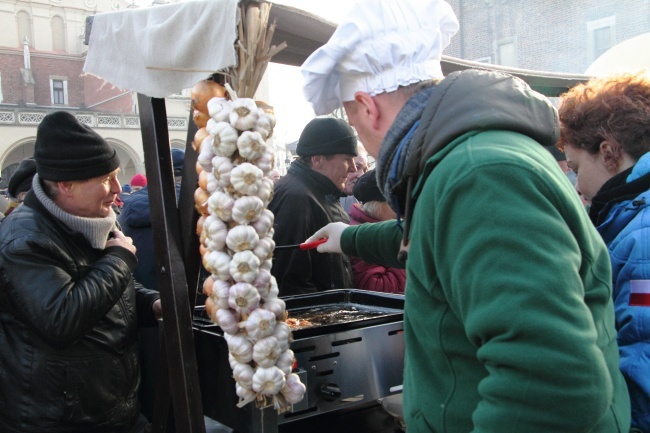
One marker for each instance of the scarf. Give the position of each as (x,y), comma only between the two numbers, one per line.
(96,230)
(616,190)
(396,146)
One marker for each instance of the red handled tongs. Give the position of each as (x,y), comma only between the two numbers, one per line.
(303,246)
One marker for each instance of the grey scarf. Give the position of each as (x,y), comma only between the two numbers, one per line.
(96,230)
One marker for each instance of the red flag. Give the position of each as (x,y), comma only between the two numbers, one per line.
(640,293)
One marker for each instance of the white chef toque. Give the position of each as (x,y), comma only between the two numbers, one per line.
(379,46)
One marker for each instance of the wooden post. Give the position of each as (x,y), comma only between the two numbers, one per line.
(179,353)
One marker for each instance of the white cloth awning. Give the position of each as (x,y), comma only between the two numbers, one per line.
(158,51)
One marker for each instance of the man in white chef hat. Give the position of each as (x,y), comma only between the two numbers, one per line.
(508,316)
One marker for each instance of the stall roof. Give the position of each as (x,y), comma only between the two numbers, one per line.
(305,32)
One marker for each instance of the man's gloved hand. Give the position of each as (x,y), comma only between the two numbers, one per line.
(332,232)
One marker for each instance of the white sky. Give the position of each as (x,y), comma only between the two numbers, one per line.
(285,82)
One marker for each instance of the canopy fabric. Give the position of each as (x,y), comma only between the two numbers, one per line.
(628,56)
(158,51)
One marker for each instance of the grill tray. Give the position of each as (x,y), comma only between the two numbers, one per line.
(335,311)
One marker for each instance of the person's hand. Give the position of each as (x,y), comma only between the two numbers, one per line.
(157,309)
(332,232)
(119,240)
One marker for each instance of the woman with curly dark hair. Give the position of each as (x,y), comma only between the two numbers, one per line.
(605,133)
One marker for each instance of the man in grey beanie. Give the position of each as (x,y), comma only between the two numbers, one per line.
(307,198)
(69,307)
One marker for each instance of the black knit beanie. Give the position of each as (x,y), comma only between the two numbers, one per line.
(327,136)
(366,189)
(67,150)
(21,180)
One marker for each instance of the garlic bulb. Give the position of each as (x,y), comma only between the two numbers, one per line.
(265,162)
(218,264)
(247,209)
(240,348)
(246,178)
(243,374)
(260,323)
(224,138)
(264,223)
(215,231)
(244,114)
(243,298)
(282,333)
(244,266)
(273,291)
(219,109)
(242,238)
(205,154)
(266,351)
(266,264)
(264,126)
(285,360)
(221,169)
(212,183)
(262,282)
(265,190)
(277,306)
(264,248)
(293,390)
(228,320)
(268,381)
(221,205)
(251,145)
(231,359)
(221,294)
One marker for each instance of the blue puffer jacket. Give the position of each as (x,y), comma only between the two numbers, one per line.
(625,228)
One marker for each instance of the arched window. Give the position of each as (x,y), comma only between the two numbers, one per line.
(58,34)
(24,28)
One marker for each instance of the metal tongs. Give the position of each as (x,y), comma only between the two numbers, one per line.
(303,246)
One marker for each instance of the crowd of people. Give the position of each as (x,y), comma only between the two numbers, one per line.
(517,232)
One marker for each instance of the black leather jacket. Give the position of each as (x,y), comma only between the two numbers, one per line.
(303,202)
(68,328)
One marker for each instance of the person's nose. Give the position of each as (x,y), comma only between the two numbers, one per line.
(116,188)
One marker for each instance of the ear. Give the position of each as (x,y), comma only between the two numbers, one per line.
(66,188)
(368,108)
(316,161)
(610,154)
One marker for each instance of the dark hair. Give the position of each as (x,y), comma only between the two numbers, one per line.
(614,109)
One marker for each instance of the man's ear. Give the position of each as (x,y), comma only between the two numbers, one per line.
(316,161)
(368,108)
(65,187)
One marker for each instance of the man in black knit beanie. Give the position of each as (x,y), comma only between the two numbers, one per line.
(69,307)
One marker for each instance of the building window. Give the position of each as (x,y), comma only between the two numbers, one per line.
(24,25)
(59,91)
(506,52)
(58,34)
(601,36)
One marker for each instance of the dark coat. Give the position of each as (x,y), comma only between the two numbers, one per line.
(68,328)
(303,202)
